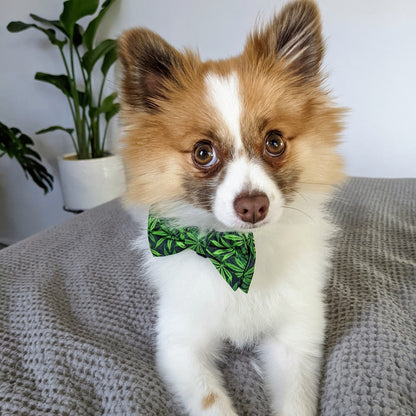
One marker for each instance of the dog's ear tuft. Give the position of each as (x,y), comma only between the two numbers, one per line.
(294,37)
(148,63)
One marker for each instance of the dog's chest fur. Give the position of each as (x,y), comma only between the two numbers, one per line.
(290,270)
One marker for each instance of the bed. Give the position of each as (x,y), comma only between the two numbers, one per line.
(77,318)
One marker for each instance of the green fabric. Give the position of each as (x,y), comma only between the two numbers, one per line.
(233,254)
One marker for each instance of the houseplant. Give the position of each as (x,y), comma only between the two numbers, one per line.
(83,86)
(18,146)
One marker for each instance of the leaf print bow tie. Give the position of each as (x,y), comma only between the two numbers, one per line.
(233,254)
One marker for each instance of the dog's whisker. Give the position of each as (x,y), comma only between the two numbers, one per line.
(301,195)
(316,183)
(299,210)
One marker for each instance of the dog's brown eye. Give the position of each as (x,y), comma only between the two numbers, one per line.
(275,144)
(204,155)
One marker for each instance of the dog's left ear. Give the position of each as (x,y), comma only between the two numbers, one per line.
(293,37)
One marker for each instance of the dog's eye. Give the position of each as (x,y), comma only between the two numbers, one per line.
(204,155)
(275,143)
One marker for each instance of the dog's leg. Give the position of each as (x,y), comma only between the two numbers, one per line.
(187,363)
(292,369)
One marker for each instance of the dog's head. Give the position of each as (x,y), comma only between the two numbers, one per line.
(229,142)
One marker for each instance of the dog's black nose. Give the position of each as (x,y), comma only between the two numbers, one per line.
(251,207)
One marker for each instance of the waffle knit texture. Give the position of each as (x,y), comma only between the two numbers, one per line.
(77,319)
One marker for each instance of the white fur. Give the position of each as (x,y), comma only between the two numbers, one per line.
(244,175)
(223,94)
(282,314)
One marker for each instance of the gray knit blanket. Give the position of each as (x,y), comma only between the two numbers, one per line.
(77,318)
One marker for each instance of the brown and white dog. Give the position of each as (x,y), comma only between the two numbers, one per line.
(245,144)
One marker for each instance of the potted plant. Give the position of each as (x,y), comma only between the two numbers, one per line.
(91,175)
(18,146)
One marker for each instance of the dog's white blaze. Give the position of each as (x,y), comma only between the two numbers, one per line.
(223,94)
(244,175)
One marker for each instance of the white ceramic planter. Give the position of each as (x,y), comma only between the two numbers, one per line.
(88,183)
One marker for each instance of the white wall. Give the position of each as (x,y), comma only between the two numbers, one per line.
(371,62)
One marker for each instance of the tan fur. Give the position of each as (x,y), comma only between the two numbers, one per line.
(282,94)
(208,401)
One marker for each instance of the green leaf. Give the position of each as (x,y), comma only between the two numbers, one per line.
(216,244)
(75,10)
(228,275)
(239,263)
(107,103)
(50,33)
(232,237)
(160,233)
(110,114)
(19,146)
(18,26)
(234,267)
(83,99)
(228,255)
(91,30)
(54,23)
(222,252)
(109,58)
(92,56)
(25,140)
(53,128)
(152,224)
(59,81)
(159,242)
(77,37)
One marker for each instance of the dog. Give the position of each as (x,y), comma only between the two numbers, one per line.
(234,158)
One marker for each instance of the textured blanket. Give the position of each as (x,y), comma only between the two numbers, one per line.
(77,318)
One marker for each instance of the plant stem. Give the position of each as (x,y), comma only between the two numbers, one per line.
(79,124)
(86,91)
(69,77)
(100,96)
(105,136)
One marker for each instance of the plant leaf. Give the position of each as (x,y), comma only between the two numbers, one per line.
(18,26)
(25,140)
(60,81)
(109,58)
(114,110)
(75,10)
(54,23)
(77,37)
(53,128)
(19,146)
(107,103)
(50,33)
(91,57)
(91,30)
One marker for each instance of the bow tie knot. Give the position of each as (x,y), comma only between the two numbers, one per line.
(232,253)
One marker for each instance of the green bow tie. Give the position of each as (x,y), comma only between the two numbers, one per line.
(233,254)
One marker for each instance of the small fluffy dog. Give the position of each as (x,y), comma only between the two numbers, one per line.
(234,161)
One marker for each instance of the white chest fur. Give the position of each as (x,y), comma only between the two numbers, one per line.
(290,271)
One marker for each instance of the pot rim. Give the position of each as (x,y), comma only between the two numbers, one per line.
(66,157)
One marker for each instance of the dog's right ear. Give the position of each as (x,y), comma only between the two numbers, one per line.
(148,63)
